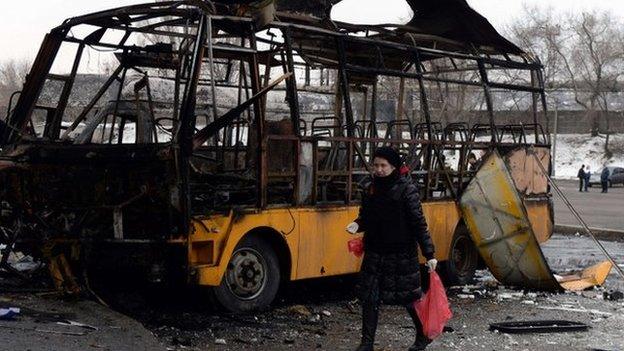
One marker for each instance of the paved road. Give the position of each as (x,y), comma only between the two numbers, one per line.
(597,209)
(36,328)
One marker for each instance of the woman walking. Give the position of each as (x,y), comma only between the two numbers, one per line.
(394,227)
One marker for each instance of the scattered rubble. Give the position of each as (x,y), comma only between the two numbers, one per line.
(538,326)
(613,295)
(9,313)
(300,309)
(326,316)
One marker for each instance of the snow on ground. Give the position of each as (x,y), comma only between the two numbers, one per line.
(573,150)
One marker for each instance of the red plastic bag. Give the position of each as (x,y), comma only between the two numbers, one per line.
(433,309)
(356,247)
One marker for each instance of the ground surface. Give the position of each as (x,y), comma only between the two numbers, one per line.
(324,315)
(36,328)
(597,209)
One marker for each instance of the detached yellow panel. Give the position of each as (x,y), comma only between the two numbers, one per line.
(591,276)
(539,217)
(526,173)
(499,225)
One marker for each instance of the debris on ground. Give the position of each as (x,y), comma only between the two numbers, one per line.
(613,295)
(71,323)
(538,326)
(300,309)
(9,313)
(293,323)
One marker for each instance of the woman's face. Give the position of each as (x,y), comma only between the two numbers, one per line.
(381,167)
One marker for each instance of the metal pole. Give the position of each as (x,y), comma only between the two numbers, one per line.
(576,214)
(554,149)
(291,84)
(215,112)
(488,99)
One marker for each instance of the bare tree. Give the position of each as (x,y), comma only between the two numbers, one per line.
(595,62)
(581,53)
(541,33)
(12,75)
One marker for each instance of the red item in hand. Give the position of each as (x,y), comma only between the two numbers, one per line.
(356,246)
(433,309)
(404,170)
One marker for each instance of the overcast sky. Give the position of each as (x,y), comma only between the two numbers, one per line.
(24,23)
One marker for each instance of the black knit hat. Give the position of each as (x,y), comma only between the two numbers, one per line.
(389,154)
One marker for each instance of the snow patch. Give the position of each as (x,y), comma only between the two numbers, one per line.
(573,150)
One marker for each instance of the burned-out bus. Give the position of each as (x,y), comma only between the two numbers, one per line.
(232,149)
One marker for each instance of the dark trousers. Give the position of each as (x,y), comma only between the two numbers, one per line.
(605,186)
(581,184)
(370,315)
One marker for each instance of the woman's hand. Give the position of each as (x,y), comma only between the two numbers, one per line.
(353,227)
(432,264)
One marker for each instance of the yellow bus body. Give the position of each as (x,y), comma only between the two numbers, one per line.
(315,237)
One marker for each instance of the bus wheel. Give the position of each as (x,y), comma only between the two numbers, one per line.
(251,279)
(463,260)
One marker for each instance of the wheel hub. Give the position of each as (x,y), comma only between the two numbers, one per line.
(460,259)
(246,274)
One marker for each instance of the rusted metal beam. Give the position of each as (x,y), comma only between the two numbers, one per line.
(424,104)
(399,114)
(258,123)
(540,79)
(93,101)
(488,99)
(291,83)
(55,128)
(184,137)
(210,130)
(35,81)
(118,97)
(213,92)
(344,86)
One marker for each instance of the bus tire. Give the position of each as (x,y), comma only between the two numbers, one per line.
(252,277)
(463,260)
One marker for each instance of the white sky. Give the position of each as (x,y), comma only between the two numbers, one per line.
(24,23)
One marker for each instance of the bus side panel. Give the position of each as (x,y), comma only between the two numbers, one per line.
(227,236)
(323,249)
(442,219)
(318,241)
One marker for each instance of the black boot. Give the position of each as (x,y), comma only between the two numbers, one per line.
(421,341)
(370,314)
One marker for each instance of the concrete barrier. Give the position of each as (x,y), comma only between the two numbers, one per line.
(600,233)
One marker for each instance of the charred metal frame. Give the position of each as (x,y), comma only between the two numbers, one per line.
(203,24)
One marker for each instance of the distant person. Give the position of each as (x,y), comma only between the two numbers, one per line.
(604,179)
(473,163)
(581,176)
(587,176)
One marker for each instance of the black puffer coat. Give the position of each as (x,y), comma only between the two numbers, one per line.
(394,227)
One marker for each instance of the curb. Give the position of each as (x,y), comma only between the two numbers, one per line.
(600,233)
